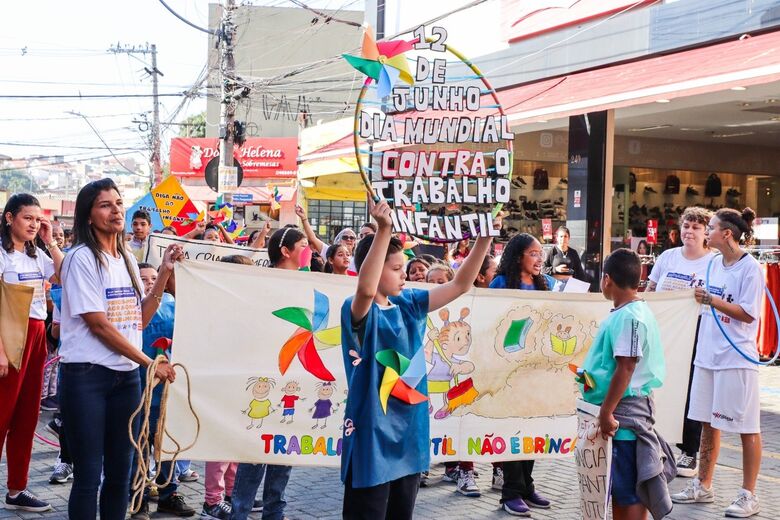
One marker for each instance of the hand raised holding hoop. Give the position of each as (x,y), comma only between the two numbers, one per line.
(380,211)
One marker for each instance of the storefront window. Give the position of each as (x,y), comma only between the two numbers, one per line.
(328,217)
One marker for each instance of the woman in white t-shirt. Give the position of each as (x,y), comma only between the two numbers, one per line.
(103,313)
(725,391)
(21,262)
(677,269)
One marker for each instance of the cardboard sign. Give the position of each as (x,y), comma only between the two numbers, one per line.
(168,205)
(259,157)
(201,250)
(593,455)
(652,231)
(463,157)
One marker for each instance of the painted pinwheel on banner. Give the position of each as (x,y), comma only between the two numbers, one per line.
(401,377)
(311,336)
(384,62)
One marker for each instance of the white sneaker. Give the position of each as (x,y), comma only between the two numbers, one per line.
(744,506)
(694,493)
(467,484)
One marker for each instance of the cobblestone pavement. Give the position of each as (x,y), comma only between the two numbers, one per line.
(316,493)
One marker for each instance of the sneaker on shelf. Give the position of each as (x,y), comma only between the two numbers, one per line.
(142,513)
(691,191)
(537,500)
(451,474)
(694,493)
(650,189)
(424,479)
(517,507)
(498,479)
(26,501)
(54,427)
(62,473)
(50,404)
(467,484)
(219,511)
(686,466)
(189,476)
(745,505)
(175,505)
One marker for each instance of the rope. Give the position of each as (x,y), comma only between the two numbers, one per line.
(143,449)
(723,331)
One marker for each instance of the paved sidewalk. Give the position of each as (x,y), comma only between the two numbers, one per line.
(316,493)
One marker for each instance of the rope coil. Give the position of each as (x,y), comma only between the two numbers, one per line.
(143,449)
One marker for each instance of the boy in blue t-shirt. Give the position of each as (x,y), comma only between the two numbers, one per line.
(625,363)
(386,429)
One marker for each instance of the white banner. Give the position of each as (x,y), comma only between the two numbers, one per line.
(514,397)
(201,250)
(593,456)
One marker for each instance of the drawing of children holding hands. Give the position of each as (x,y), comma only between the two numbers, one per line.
(291,391)
(260,405)
(323,406)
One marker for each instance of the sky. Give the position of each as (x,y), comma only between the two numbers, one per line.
(51,47)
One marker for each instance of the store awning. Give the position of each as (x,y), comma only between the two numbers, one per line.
(260,194)
(740,63)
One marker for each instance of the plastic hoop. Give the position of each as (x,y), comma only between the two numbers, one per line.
(356,135)
(723,331)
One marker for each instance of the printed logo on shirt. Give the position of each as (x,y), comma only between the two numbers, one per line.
(680,281)
(124,311)
(33,279)
(727,297)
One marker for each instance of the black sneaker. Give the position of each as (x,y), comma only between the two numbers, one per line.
(175,505)
(451,474)
(424,479)
(257,505)
(686,466)
(691,191)
(26,501)
(50,404)
(649,189)
(54,427)
(62,473)
(219,511)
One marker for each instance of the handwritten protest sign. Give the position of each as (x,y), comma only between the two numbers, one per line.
(514,348)
(201,250)
(446,162)
(593,456)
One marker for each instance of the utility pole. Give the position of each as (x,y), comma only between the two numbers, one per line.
(227,116)
(154,72)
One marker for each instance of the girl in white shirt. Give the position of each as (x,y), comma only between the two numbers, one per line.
(725,391)
(677,269)
(21,262)
(103,313)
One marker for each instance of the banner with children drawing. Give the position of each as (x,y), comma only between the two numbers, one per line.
(267,378)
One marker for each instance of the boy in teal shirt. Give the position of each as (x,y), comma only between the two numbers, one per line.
(625,364)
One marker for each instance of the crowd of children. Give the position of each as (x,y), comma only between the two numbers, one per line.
(109,315)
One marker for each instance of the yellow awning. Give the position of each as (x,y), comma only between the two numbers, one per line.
(335,194)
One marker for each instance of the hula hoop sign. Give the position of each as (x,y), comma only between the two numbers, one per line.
(435,141)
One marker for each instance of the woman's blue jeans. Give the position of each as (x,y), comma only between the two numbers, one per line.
(96,404)
(248,479)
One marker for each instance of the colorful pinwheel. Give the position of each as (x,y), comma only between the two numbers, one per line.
(310,336)
(383,62)
(401,377)
(277,197)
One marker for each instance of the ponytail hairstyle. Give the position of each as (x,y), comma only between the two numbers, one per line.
(509,267)
(287,237)
(740,224)
(13,206)
(84,234)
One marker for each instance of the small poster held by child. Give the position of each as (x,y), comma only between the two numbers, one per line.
(593,455)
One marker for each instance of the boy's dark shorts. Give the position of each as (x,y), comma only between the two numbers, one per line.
(624,473)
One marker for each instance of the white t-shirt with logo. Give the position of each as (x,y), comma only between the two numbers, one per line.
(88,286)
(18,268)
(743,284)
(673,272)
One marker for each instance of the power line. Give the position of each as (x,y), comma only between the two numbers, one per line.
(174,13)
(74,161)
(44,145)
(104,143)
(87,96)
